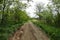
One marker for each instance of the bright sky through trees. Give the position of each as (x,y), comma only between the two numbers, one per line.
(31,9)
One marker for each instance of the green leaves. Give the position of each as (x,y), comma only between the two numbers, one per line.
(57,17)
(52,32)
(11,18)
(1,1)
(56,1)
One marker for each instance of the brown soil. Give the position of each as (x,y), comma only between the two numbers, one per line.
(29,32)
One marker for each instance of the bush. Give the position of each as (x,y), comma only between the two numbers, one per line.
(53,33)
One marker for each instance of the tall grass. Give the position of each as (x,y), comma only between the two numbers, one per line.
(52,32)
(7,31)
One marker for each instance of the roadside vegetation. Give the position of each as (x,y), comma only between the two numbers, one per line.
(11,18)
(13,15)
(49,20)
(52,32)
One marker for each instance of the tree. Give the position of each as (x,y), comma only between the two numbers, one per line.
(39,8)
(45,15)
(1,1)
(14,14)
(57,20)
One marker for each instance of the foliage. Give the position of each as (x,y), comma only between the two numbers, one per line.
(11,18)
(57,20)
(7,31)
(1,1)
(45,15)
(53,33)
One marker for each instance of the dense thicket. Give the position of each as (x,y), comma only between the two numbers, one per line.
(57,20)
(51,14)
(49,19)
(12,16)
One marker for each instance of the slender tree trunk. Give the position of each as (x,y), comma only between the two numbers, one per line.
(3,12)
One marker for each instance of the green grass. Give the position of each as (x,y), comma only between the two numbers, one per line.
(7,31)
(52,32)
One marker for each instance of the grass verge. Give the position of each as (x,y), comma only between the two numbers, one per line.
(6,31)
(52,32)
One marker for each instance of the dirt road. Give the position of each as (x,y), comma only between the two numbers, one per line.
(29,32)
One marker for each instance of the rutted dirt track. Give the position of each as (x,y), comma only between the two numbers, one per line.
(29,32)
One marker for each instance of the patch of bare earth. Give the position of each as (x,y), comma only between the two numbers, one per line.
(29,32)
